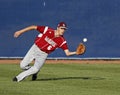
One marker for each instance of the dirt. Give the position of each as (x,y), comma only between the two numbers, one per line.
(17,61)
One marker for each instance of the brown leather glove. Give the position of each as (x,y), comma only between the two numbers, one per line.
(80,49)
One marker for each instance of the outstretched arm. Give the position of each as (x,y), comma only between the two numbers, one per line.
(79,50)
(69,53)
(18,33)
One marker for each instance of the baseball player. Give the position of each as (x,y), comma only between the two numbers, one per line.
(46,42)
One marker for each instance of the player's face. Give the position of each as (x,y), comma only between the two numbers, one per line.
(61,30)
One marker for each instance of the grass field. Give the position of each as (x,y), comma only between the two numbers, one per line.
(63,79)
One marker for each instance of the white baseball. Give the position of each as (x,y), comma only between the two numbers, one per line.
(84,39)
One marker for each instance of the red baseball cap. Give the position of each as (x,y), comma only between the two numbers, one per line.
(62,25)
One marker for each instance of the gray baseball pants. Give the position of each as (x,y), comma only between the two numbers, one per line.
(33,54)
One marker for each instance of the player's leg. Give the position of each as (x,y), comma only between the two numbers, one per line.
(26,73)
(40,58)
(27,60)
(24,64)
(33,70)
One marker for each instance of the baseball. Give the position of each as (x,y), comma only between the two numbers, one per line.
(84,39)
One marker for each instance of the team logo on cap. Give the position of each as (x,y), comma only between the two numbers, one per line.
(63,24)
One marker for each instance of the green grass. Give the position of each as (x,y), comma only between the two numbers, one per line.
(63,79)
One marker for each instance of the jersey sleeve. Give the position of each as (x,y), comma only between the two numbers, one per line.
(64,45)
(41,28)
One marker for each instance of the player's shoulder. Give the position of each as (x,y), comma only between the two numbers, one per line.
(62,38)
(50,30)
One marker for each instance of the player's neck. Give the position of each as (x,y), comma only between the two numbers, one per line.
(57,33)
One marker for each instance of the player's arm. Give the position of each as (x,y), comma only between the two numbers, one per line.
(69,53)
(18,33)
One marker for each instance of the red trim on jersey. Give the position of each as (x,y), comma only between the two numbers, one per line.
(47,41)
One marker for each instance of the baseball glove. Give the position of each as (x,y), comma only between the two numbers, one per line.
(80,49)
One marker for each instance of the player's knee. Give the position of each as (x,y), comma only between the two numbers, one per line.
(24,67)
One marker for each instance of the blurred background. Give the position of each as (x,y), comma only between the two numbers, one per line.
(96,20)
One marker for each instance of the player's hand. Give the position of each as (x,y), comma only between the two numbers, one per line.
(17,34)
(80,49)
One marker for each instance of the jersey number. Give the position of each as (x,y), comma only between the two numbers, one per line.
(49,47)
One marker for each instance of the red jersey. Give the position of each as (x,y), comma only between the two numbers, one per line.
(47,41)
